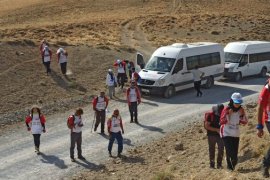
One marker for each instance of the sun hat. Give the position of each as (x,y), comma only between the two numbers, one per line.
(237,98)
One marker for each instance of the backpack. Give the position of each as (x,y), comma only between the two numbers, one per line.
(206,116)
(68,123)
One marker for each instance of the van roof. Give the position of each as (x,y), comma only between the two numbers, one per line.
(247,47)
(173,50)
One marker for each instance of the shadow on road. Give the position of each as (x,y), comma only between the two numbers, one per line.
(151,128)
(51,159)
(88,165)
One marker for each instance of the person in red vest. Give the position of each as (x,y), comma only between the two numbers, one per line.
(100,104)
(121,72)
(135,76)
(35,123)
(47,57)
(115,126)
(75,124)
(41,47)
(133,99)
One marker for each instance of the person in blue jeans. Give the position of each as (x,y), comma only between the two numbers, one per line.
(115,130)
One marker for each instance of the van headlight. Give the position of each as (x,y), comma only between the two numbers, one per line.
(160,82)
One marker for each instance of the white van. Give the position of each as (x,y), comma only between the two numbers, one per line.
(168,69)
(246,58)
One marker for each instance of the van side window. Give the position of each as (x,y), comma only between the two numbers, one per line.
(203,60)
(178,66)
(244,60)
(252,58)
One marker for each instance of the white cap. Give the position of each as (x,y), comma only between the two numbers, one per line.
(46,47)
(237,98)
(110,70)
(118,61)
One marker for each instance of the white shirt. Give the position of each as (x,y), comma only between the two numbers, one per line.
(62,58)
(109,81)
(232,127)
(77,121)
(121,68)
(115,124)
(47,56)
(132,95)
(36,126)
(101,104)
(196,74)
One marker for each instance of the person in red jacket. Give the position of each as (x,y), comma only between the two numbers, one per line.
(100,104)
(263,118)
(121,72)
(41,47)
(75,124)
(47,57)
(115,126)
(35,123)
(133,99)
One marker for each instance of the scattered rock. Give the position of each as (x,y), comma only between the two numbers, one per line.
(215,32)
(179,146)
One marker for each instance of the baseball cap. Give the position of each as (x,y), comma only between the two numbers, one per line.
(109,70)
(237,98)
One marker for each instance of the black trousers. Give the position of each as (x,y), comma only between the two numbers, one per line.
(197,86)
(231,145)
(75,138)
(212,141)
(121,79)
(133,110)
(100,119)
(266,159)
(36,140)
(130,74)
(47,65)
(63,67)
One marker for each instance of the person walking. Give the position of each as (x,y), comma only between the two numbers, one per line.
(75,124)
(212,126)
(35,123)
(47,57)
(197,76)
(111,82)
(41,48)
(130,65)
(121,72)
(100,104)
(135,76)
(263,117)
(115,126)
(133,99)
(62,59)
(232,116)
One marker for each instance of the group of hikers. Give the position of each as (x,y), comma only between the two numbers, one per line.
(222,125)
(222,122)
(46,57)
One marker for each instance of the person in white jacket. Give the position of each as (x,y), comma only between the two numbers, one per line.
(111,82)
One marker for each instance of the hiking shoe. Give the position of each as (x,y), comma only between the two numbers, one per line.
(110,154)
(131,121)
(72,159)
(81,158)
(219,167)
(136,122)
(119,155)
(95,129)
(265,171)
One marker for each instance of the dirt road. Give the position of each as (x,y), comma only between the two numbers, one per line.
(157,116)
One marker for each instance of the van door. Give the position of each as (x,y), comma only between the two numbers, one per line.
(244,66)
(139,62)
(180,79)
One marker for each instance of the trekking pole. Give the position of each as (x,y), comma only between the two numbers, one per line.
(93,122)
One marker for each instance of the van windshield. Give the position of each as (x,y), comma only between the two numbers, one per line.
(162,64)
(233,57)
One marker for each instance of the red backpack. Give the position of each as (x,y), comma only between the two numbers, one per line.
(206,116)
(69,125)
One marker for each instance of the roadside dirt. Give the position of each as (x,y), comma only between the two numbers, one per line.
(184,155)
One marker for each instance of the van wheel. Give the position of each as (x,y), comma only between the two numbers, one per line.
(238,77)
(209,82)
(263,72)
(169,92)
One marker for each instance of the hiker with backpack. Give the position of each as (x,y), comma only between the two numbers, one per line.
(263,118)
(75,124)
(35,123)
(62,59)
(231,118)
(121,72)
(133,99)
(115,130)
(211,124)
(111,82)
(41,48)
(47,57)
(100,104)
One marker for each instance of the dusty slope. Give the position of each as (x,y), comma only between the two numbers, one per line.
(160,160)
